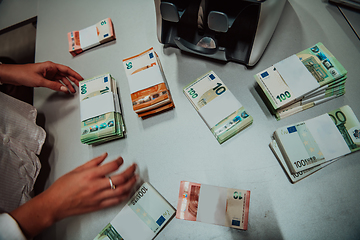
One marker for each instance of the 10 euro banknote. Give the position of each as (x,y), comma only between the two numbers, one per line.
(227,207)
(217,106)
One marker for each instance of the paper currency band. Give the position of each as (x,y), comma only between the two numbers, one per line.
(112,186)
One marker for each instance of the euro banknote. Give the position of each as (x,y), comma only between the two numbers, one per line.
(310,143)
(227,207)
(309,102)
(148,86)
(101,118)
(295,177)
(293,78)
(142,218)
(222,112)
(92,36)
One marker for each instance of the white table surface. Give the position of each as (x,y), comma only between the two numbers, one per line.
(177,145)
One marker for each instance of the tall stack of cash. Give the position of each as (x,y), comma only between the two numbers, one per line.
(101,118)
(302,81)
(227,207)
(92,36)
(306,147)
(142,218)
(217,106)
(149,90)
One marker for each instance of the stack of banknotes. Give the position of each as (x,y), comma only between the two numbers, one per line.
(306,147)
(142,218)
(217,106)
(215,205)
(92,36)
(149,90)
(101,118)
(302,81)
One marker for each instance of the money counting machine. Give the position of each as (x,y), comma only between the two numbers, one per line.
(228,30)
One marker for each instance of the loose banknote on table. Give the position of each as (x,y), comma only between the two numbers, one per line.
(142,218)
(217,106)
(227,207)
(149,90)
(301,81)
(306,147)
(101,118)
(92,36)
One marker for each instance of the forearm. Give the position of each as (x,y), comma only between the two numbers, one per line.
(35,216)
(8,74)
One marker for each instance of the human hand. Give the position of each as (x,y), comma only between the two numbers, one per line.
(44,74)
(87,188)
(84,189)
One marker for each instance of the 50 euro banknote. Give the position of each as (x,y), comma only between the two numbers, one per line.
(92,36)
(222,112)
(142,218)
(227,207)
(149,90)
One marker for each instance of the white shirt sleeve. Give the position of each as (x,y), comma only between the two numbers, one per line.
(9,229)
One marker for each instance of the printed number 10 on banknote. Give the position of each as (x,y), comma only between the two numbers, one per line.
(204,90)
(215,205)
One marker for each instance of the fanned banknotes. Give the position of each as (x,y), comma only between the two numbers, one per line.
(217,106)
(227,207)
(142,218)
(149,90)
(306,147)
(92,36)
(100,112)
(302,81)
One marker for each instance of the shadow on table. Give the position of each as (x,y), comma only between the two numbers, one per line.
(43,157)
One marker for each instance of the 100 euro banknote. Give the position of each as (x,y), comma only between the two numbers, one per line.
(292,78)
(315,141)
(100,110)
(142,218)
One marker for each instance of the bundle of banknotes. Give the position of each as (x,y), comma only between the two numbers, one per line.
(92,36)
(301,81)
(217,106)
(149,90)
(101,118)
(215,205)
(142,218)
(306,147)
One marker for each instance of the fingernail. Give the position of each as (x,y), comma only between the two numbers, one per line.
(63,88)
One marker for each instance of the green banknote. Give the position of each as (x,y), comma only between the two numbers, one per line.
(217,106)
(142,218)
(287,81)
(108,125)
(295,177)
(318,140)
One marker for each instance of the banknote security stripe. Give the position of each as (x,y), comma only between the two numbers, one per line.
(296,76)
(95,106)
